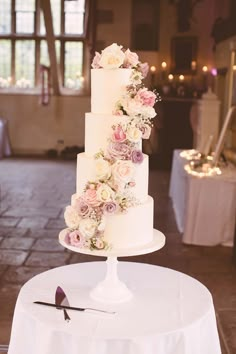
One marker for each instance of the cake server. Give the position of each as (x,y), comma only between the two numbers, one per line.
(71,307)
(60,300)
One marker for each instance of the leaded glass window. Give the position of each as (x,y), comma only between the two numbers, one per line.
(73,65)
(23,42)
(5,63)
(5,16)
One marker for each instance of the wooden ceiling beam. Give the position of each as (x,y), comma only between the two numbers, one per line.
(54,67)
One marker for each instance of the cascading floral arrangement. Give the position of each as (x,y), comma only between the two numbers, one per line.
(111,190)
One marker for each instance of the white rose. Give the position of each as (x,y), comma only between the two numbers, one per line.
(123,171)
(148,112)
(134,134)
(105,193)
(133,107)
(102,169)
(87,227)
(112,57)
(71,216)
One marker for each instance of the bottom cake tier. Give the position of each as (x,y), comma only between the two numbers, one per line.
(129,229)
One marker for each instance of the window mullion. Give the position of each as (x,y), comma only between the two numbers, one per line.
(62,61)
(13,17)
(13,31)
(62,18)
(37,61)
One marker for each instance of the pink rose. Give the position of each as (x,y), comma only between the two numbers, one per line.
(147,98)
(96,60)
(144,68)
(137,156)
(90,196)
(82,207)
(131,59)
(119,151)
(110,207)
(76,239)
(118,134)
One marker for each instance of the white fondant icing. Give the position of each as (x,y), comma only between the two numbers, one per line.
(131,229)
(107,86)
(86,172)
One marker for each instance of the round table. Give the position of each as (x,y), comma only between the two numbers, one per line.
(170,313)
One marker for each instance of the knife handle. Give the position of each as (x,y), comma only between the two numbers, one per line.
(66,316)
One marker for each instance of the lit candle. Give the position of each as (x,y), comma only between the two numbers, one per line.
(205,74)
(193,65)
(163,71)
(170,77)
(234,67)
(181,77)
(153,73)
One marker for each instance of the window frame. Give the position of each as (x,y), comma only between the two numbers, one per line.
(37,37)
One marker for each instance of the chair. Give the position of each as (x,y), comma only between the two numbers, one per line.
(3,348)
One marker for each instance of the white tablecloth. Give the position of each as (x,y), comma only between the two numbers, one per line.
(205,208)
(170,313)
(5,149)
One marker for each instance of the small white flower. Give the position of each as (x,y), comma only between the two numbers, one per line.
(148,112)
(88,227)
(103,169)
(104,193)
(134,134)
(71,216)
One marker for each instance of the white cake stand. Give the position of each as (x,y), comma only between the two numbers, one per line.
(112,289)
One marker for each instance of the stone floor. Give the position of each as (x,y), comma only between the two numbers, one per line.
(32,197)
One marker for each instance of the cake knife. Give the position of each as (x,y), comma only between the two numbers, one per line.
(71,307)
(61,299)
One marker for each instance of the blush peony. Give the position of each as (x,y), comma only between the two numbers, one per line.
(123,171)
(147,98)
(131,59)
(90,196)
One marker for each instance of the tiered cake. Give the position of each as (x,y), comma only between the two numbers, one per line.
(111,208)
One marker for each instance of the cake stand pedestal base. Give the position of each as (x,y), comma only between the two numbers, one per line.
(111,289)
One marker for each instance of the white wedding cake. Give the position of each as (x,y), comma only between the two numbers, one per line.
(111,208)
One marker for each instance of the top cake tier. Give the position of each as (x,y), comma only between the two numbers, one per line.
(107,86)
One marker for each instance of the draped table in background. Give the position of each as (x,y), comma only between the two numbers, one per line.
(205,208)
(170,313)
(5,149)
